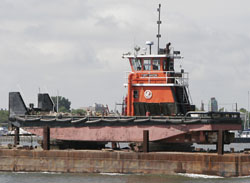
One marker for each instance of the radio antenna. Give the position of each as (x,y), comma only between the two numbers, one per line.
(159,24)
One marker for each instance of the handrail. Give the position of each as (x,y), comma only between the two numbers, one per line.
(179,80)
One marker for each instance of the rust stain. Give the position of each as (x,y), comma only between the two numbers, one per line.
(73,161)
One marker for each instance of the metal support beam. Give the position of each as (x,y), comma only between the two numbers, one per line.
(220,142)
(46,138)
(17,137)
(145,141)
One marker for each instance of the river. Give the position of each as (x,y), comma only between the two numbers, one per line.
(22,177)
(8,177)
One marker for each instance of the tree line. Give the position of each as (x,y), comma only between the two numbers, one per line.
(4,117)
(64,106)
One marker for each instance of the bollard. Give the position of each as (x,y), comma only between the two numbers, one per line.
(46,138)
(145,141)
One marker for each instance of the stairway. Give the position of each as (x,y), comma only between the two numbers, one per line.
(182,99)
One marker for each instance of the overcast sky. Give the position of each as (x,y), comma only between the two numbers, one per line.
(75,47)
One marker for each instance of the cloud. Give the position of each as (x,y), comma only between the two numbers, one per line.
(76,46)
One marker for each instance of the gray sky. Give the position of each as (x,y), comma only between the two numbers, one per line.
(75,47)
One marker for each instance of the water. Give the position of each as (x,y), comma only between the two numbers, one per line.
(7,177)
(24,140)
(33,141)
(24,177)
(238,147)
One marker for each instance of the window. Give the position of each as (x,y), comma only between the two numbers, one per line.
(171,65)
(165,65)
(136,94)
(156,65)
(147,65)
(136,63)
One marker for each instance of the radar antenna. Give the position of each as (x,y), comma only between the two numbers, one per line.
(159,24)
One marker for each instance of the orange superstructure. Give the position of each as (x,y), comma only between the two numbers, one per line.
(155,87)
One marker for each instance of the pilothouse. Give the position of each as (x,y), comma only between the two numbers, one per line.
(154,87)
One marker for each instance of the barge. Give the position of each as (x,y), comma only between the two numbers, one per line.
(83,161)
(157,109)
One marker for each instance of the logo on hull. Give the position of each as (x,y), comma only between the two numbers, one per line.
(148,94)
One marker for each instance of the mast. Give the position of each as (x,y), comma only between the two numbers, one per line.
(247,110)
(159,24)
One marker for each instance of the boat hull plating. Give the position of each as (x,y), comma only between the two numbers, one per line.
(131,133)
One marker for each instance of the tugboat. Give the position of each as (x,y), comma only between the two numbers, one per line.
(154,88)
(158,101)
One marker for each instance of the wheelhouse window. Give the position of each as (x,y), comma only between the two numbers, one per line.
(147,64)
(156,65)
(136,64)
(171,65)
(165,65)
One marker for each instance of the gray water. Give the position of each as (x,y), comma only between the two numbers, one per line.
(7,177)
(238,147)
(24,140)
(23,177)
(33,141)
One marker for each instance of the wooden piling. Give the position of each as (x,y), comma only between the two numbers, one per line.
(220,142)
(46,138)
(145,141)
(17,136)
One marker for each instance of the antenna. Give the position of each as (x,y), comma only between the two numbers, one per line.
(159,24)
(57,103)
(247,110)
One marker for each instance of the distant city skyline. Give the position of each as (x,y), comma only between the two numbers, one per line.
(213,105)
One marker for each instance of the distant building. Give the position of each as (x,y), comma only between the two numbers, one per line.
(100,108)
(243,117)
(213,105)
(202,106)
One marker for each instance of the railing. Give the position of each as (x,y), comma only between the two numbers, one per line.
(213,115)
(172,78)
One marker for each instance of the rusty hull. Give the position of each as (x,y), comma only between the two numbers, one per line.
(129,133)
(228,165)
